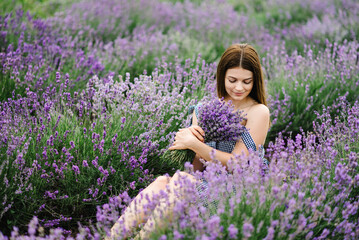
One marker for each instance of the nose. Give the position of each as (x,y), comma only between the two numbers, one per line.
(239,87)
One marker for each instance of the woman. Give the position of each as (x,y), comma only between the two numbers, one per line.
(240,80)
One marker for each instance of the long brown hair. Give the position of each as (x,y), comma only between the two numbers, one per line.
(246,57)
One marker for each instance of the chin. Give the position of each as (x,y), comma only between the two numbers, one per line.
(237,98)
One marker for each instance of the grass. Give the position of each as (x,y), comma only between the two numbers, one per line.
(38,8)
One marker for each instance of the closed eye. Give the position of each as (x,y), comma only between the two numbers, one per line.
(245,81)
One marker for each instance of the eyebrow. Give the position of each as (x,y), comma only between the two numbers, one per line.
(242,79)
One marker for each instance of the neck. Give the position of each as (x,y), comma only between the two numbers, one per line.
(241,104)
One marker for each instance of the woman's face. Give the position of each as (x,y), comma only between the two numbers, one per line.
(238,83)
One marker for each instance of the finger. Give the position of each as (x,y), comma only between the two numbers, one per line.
(175,143)
(175,147)
(197,134)
(199,129)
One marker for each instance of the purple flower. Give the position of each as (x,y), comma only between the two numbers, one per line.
(76,169)
(309,235)
(324,234)
(247,230)
(232,231)
(33,226)
(270,234)
(84,163)
(94,162)
(302,222)
(219,121)
(114,139)
(177,235)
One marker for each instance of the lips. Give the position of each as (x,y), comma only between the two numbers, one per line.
(238,94)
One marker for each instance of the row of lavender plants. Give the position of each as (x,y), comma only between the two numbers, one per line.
(71,140)
(74,42)
(310,191)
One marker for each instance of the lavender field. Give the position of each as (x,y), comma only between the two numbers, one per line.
(93,92)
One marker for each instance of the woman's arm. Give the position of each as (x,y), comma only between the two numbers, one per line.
(257,123)
(186,140)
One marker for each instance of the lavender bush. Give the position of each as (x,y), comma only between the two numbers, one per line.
(304,22)
(101,140)
(56,166)
(310,191)
(32,53)
(299,84)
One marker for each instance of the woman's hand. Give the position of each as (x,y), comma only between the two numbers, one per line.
(187,136)
(197,131)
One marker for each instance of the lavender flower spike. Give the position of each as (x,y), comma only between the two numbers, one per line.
(220,121)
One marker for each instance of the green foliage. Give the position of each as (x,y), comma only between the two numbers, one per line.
(38,8)
(198,2)
(272,16)
(7,87)
(176,159)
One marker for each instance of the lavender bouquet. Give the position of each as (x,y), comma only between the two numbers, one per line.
(219,121)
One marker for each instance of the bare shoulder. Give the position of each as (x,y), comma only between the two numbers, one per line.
(261,108)
(259,111)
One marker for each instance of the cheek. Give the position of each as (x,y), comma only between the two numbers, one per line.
(227,85)
(249,87)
